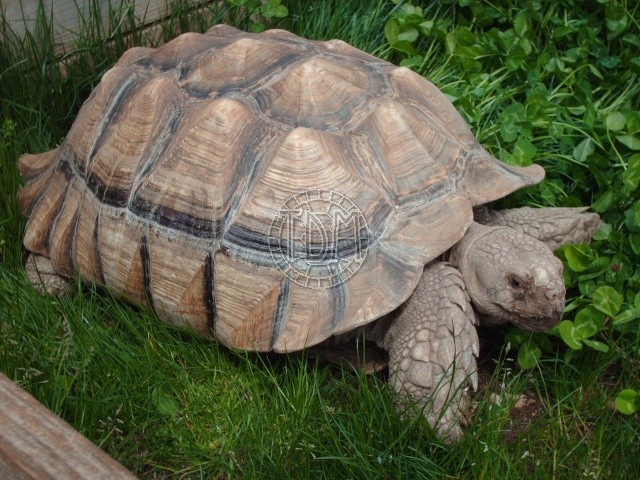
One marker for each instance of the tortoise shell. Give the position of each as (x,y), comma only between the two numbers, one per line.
(264,189)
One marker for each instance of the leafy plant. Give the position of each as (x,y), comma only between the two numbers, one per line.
(261,11)
(628,401)
(570,104)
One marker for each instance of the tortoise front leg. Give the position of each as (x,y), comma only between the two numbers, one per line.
(44,278)
(553,226)
(432,348)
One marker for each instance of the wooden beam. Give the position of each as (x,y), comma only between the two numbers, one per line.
(68,16)
(36,444)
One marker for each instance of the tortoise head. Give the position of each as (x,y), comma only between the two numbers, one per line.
(511,277)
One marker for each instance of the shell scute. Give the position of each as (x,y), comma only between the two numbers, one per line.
(247,317)
(61,237)
(306,160)
(246,62)
(194,182)
(319,93)
(412,155)
(124,148)
(87,261)
(121,254)
(414,90)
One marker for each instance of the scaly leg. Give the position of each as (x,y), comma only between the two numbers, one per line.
(432,348)
(44,278)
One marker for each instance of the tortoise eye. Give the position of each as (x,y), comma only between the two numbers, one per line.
(515,281)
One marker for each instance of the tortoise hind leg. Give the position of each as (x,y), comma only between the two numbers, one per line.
(432,348)
(553,226)
(44,278)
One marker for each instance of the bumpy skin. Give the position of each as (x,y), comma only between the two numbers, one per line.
(44,278)
(552,226)
(432,348)
(511,277)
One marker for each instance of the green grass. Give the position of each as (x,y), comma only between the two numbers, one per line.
(167,404)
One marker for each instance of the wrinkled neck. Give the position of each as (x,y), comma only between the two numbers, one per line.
(459,255)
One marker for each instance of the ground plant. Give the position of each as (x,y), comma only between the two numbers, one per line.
(555,83)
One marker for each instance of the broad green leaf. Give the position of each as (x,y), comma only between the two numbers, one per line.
(411,10)
(596,72)
(528,355)
(609,62)
(604,202)
(412,62)
(516,59)
(631,176)
(603,232)
(585,148)
(632,217)
(616,18)
(615,121)
(523,152)
(451,43)
(391,31)
(409,35)
(578,257)
(272,8)
(426,26)
(636,300)
(569,335)
(517,337)
(165,404)
(626,316)
(596,345)
(542,340)
(405,47)
(465,36)
(588,322)
(630,141)
(521,24)
(587,288)
(589,117)
(527,48)
(607,300)
(599,265)
(595,269)
(633,119)
(634,243)
(628,401)
(509,131)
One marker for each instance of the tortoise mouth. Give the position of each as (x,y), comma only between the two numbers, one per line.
(535,323)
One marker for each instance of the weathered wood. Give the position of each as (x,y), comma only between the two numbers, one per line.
(36,444)
(68,16)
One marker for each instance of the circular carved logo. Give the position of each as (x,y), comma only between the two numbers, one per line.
(319,238)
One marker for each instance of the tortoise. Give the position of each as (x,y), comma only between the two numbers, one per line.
(276,193)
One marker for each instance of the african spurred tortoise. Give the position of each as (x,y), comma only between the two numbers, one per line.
(274,192)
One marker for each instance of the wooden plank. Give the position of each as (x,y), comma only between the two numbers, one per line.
(67,16)
(36,444)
